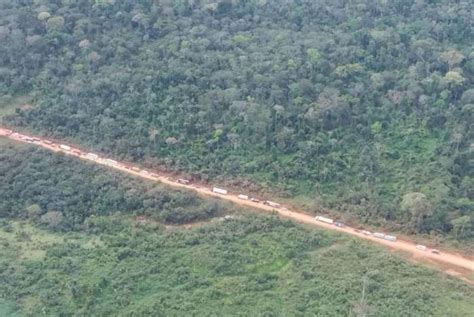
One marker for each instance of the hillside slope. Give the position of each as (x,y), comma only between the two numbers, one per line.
(362,106)
(63,254)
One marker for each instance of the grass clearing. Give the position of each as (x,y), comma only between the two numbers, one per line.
(257,265)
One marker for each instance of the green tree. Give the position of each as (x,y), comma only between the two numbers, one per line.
(418,207)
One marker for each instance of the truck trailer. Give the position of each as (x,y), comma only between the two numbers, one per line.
(390,238)
(92,156)
(219,191)
(324,219)
(379,235)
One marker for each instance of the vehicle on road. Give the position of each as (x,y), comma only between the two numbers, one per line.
(435,251)
(244,197)
(64,147)
(183,181)
(390,237)
(111,162)
(421,247)
(367,233)
(92,156)
(255,200)
(219,191)
(379,235)
(339,224)
(324,219)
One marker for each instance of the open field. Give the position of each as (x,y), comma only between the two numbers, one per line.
(257,265)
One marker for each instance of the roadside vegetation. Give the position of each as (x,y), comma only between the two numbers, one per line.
(50,190)
(362,106)
(93,256)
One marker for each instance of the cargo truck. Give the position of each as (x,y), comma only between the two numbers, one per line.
(379,235)
(390,238)
(421,247)
(92,156)
(324,219)
(110,162)
(219,191)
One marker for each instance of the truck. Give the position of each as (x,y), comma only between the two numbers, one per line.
(219,191)
(184,181)
(255,200)
(64,147)
(110,162)
(244,197)
(271,203)
(92,156)
(324,219)
(421,247)
(379,235)
(135,169)
(367,233)
(390,238)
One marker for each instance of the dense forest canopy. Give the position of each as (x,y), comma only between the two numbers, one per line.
(51,190)
(365,106)
(71,245)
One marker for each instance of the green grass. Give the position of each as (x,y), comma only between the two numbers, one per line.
(250,266)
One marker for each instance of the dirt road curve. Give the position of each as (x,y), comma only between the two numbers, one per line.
(454,264)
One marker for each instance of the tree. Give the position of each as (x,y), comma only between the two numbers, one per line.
(52,219)
(55,23)
(452,57)
(463,227)
(454,78)
(33,211)
(418,206)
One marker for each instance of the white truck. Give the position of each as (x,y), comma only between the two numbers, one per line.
(219,191)
(64,147)
(324,219)
(111,162)
(390,238)
(184,181)
(92,156)
(379,235)
(421,247)
(244,197)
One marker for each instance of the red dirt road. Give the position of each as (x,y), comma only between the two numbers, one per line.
(451,263)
